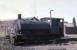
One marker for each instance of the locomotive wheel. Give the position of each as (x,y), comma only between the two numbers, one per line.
(17,42)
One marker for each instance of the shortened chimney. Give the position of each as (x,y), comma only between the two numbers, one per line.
(19,16)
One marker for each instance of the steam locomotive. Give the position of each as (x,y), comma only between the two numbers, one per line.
(39,31)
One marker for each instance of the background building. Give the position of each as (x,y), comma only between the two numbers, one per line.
(7,27)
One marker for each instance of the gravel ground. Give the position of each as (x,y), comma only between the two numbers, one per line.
(5,45)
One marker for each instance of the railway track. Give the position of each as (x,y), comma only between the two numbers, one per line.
(5,45)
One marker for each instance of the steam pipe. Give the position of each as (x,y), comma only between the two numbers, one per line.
(74,22)
(51,18)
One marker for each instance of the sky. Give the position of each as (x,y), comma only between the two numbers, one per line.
(66,9)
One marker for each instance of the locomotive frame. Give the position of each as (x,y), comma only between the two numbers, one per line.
(35,33)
